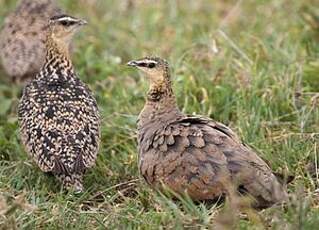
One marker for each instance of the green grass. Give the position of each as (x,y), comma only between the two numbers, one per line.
(251,64)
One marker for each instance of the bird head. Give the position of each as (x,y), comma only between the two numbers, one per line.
(63,27)
(155,68)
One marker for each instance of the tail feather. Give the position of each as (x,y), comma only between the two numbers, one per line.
(267,194)
(71,182)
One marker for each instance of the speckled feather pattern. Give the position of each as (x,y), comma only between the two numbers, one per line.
(197,155)
(59,121)
(22,38)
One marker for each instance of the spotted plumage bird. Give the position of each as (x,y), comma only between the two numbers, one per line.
(58,115)
(22,38)
(196,155)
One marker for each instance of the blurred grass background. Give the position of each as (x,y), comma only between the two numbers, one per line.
(251,64)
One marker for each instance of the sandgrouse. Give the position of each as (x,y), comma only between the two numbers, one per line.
(58,115)
(195,155)
(22,38)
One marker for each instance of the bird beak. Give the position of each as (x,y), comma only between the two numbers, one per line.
(82,22)
(132,63)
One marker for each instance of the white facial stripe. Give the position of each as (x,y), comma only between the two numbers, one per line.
(67,19)
(146,61)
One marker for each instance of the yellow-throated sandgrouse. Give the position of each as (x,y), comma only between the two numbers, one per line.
(195,155)
(58,115)
(22,38)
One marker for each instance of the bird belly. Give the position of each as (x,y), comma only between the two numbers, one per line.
(199,182)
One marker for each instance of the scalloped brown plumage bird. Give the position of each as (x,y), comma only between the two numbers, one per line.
(196,155)
(58,115)
(22,38)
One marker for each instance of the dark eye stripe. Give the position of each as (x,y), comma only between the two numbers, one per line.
(67,23)
(148,65)
(142,64)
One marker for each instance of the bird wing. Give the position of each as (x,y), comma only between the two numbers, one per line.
(248,170)
(186,157)
(31,130)
(60,131)
(211,152)
(22,39)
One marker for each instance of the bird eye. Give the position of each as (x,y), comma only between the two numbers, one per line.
(151,65)
(64,23)
(67,23)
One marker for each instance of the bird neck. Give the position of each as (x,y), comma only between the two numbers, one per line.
(160,105)
(57,56)
(160,91)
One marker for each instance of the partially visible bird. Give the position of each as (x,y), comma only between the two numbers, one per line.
(58,115)
(195,155)
(22,38)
